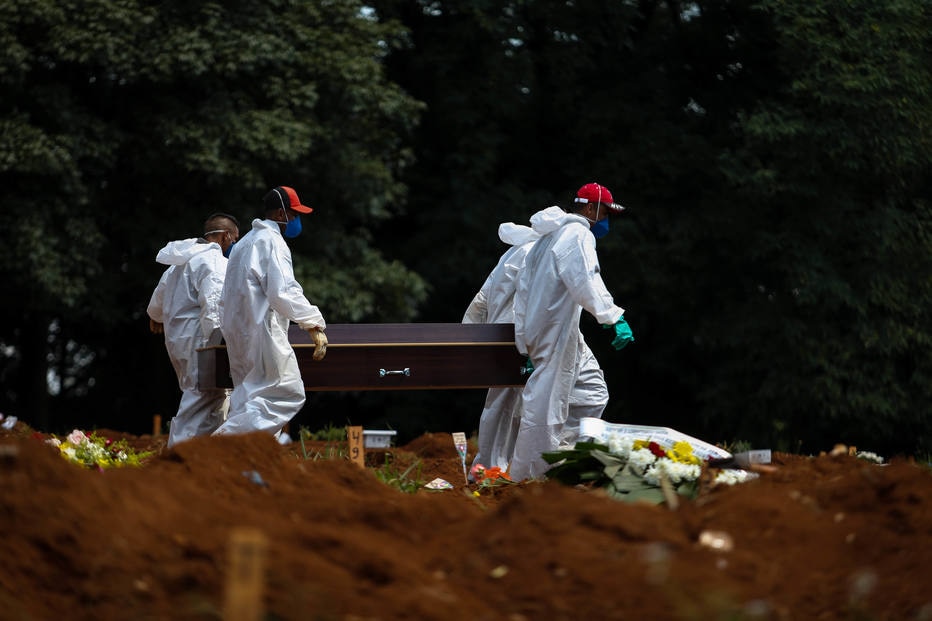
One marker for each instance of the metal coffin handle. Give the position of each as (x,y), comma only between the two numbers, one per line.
(405,371)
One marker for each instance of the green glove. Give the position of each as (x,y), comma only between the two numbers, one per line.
(528,367)
(623,334)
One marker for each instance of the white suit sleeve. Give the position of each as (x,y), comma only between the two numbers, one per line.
(478,310)
(208,281)
(285,293)
(155,302)
(578,266)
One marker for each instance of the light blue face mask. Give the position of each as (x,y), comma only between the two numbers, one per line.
(600,228)
(293,228)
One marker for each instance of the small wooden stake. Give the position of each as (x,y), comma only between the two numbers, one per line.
(669,494)
(157,425)
(245,575)
(357,449)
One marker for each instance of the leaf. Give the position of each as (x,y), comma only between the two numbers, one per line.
(652,495)
(689,489)
(627,480)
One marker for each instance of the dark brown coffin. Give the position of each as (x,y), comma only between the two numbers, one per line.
(393,356)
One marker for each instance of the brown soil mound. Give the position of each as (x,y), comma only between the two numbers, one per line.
(819,538)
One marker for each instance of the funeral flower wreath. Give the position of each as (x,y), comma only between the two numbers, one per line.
(96,451)
(635,469)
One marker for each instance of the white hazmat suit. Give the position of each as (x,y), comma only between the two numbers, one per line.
(260,298)
(560,278)
(187,302)
(494,303)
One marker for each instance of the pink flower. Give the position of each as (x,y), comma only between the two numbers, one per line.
(76,437)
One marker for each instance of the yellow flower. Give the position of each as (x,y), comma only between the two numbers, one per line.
(682,452)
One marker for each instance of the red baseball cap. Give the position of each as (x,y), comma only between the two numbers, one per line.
(595,193)
(283,196)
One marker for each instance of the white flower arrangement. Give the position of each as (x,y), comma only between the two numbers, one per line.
(869,456)
(650,465)
(635,469)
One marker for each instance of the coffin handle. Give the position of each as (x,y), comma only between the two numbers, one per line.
(405,371)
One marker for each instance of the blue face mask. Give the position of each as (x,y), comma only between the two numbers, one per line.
(293,228)
(600,228)
(226,252)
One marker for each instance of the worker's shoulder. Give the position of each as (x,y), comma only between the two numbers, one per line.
(264,235)
(211,257)
(573,231)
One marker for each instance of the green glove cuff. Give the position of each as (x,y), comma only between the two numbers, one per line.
(528,367)
(623,334)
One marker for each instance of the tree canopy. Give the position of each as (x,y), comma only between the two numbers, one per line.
(126,123)
(774,157)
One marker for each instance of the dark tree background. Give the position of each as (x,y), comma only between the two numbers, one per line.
(774,157)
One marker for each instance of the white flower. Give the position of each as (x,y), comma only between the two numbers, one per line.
(54,442)
(731,477)
(680,472)
(69,452)
(676,472)
(869,456)
(96,451)
(640,459)
(619,445)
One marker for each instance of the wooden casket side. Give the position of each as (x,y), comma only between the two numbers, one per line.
(419,356)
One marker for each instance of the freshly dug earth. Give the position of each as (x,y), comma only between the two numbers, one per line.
(819,538)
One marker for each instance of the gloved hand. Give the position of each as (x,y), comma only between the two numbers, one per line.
(528,367)
(623,334)
(320,343)
(156,327)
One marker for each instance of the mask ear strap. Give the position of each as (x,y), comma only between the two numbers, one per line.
(282,201)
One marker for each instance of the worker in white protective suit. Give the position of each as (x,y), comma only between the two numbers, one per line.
(561,278)
(494,303)
(260,299)
(185,307)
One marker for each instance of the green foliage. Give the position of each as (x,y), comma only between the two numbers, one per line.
(367,289)
(407,480)
(334,437)
(125,123)
(774,156)
(330,433)
(830,337)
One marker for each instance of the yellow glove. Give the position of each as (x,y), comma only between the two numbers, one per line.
(320,343)
(156,327)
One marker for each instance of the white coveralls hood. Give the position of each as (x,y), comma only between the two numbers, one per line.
(187,302)
(560,278)
(260,299)
(494,303)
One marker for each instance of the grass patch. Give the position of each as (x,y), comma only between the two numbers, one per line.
(408,480)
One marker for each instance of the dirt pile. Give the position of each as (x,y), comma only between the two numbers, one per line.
(819,538)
